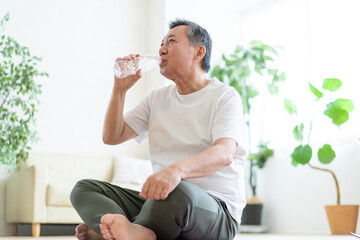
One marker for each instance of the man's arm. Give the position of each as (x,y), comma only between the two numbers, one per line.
(160,184)
(115,130)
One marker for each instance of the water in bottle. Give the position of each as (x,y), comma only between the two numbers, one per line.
(124,68)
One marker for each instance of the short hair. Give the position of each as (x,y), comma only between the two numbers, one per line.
(198,37)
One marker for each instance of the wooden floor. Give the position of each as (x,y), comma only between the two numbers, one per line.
(291,237)
(46,237)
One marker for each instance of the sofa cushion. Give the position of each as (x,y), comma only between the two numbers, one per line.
(73,167)
(58,195)
(129,170)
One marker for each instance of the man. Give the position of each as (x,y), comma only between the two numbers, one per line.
(194,129)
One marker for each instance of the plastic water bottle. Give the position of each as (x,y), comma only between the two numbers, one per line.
(124,68)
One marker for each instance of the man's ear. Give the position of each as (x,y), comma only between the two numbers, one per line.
(200,53)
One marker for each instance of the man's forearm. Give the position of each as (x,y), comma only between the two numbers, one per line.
(207,162)
(160,184)
(114,118)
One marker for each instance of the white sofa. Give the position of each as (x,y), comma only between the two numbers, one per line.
(39,192)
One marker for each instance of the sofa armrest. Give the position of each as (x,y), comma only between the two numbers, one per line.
(26,195)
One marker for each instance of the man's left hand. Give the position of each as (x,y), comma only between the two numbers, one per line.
(159,185)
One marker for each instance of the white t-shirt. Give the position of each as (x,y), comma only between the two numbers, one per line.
(181,126)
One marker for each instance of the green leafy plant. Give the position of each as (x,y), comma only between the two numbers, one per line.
(18,99)
(337,110)
(240,69)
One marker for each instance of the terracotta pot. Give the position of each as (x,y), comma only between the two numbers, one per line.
(342,218)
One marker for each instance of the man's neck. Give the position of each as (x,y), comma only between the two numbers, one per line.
(190,84)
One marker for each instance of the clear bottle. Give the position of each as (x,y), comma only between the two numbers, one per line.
(124,68)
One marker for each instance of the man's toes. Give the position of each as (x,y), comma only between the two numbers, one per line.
(105,231)
(81,228)
(80,231)
(107,236)
(107,219)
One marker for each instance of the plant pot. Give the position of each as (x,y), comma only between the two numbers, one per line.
(342,218)
(252,214)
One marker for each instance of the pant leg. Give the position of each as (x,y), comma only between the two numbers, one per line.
(92,199)
(188,213)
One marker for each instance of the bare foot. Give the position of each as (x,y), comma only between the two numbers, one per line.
(116,226)
(83,232)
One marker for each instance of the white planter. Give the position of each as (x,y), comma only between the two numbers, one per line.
(4,228)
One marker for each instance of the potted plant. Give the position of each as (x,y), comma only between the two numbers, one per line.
(342,218)
(246,69)
(18,99)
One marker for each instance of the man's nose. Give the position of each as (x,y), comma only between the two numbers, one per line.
(162,51)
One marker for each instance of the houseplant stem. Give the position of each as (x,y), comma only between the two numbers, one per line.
(336,181)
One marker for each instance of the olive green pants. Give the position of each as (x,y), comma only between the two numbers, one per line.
(187,213)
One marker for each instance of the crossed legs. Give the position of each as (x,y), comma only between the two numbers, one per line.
(188,213)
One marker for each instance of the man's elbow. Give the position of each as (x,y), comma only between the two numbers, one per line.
(228,158)
(108,141)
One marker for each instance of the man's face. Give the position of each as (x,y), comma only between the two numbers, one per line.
(177,55)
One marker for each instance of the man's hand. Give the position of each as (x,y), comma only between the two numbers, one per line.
(127,82)
(159,185)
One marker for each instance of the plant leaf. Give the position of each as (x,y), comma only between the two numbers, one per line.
(260,158)
(289,106)
(326,154)
(337,113)
(345,104)
(238,49)
(294,163)
(298,132)
(302,154)
(316,92)
(252,91)
(273,88)
(331,84)
(230,59)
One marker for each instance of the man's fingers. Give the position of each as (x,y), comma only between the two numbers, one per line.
(158,193)
(152,191)
(165,192)
(129,57)
(138,74)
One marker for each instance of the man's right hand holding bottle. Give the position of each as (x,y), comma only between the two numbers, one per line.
(127,64)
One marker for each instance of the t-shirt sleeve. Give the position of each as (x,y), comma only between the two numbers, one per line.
(228,118)
(138,119)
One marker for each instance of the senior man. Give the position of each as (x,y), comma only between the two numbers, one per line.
(194,128)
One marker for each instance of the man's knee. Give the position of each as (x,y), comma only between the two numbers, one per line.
(176,206)
(77,192)
(167,218)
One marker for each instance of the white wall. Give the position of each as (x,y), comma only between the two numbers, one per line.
(78,42)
